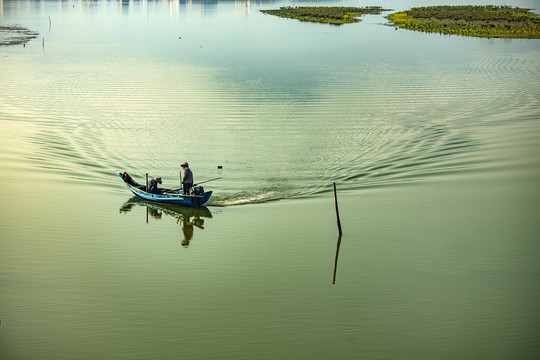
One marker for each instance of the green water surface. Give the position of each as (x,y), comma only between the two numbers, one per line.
(432,142)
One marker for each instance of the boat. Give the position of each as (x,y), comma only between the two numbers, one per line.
(198,198)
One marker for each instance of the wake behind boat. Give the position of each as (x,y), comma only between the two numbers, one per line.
(198,198)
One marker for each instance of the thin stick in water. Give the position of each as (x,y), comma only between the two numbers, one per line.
(337,210)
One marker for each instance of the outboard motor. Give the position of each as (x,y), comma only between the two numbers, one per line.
(198,190)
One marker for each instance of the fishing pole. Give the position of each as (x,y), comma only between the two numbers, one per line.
(202,182)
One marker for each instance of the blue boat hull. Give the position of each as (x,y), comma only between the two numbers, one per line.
(175,198)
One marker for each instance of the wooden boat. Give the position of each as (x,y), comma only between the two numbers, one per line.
(166,196)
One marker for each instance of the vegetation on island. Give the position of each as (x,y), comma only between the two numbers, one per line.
(335,15)
(480,21)
(15,35)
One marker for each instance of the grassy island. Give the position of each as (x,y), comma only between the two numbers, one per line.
(15,35)
(335,15)
(480,21)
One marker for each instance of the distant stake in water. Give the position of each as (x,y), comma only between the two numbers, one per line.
(337,210)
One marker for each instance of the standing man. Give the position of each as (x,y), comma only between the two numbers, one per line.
(188,178)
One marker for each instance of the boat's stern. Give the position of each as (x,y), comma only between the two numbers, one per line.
(205,197)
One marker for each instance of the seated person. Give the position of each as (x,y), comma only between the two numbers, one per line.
(153,185)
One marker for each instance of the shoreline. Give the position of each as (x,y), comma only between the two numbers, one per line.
(488,21)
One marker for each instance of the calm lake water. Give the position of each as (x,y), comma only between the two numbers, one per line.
(433,142)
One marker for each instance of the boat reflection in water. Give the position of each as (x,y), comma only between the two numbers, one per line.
(188,217)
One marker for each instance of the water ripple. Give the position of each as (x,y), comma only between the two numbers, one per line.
(276,137)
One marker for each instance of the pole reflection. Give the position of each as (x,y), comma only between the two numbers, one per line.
(336,259)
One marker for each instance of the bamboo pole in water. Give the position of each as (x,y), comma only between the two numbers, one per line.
(337,210)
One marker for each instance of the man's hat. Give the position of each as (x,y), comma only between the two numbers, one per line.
(184,165)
